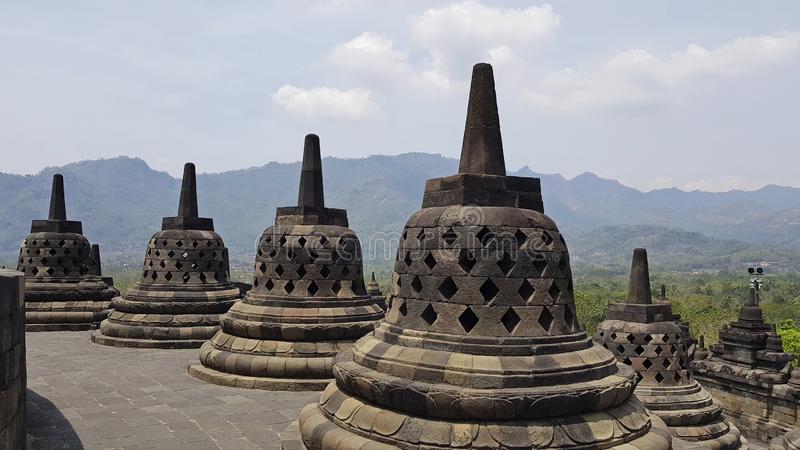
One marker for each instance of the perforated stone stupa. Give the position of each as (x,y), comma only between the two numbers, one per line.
(481,347)
(645,336)
(184,285)
(308,301)
(63,287)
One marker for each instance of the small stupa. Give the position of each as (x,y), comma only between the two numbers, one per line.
(645,336)
(63,286)
(308,300)
(183,288)
(789,441)
(374,289)
(749,349)
(481,346)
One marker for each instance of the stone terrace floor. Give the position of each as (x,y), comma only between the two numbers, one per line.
(84,395)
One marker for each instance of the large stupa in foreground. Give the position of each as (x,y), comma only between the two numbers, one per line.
(481,346)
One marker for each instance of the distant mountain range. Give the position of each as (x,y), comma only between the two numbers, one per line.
(121,202)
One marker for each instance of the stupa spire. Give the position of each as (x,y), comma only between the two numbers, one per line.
(58,208)
(311,191)
(639,284)
(482,149)
(188,203)
(96,259)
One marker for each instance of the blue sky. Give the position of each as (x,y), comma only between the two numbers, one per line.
(698,95)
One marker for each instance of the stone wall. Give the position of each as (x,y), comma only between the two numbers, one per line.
(12,360)
(761,411)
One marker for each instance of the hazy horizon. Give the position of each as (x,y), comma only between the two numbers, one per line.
(200,171)
(699,96)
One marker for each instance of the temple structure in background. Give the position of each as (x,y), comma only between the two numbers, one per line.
(750,374)
(184,285)
(308,302)
(481,346)
(63,286)
(647,337)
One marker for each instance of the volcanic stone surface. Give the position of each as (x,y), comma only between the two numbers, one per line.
(480,347)
(184,285)
(64,289)
(789,441)
(12,360)
(748,349)
(308,301)
(645,336)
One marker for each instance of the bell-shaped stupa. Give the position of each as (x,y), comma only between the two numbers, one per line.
(645,336)
(481,347)
(184,286)
(308,301)
(789,441)
(63,286)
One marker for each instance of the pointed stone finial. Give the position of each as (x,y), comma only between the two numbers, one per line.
(373,277)
(58,208)
(188,204)
(311,192)
(482,149)
(639,284)
(751,300)
(702,341)
(663,293)
(96,259)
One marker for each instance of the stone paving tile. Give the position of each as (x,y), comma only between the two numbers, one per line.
(83,395)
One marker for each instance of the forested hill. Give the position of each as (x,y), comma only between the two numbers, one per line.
(121,202)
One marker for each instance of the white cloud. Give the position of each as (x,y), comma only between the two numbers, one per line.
(374,56)
(636,78)
(470,29)
(349,105)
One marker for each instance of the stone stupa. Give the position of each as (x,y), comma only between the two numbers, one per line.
(481,346)
(789,441)
(647,337)
(63,286)
(751,375)
(184,285)
(308,301)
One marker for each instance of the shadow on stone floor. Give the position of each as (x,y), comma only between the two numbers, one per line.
(47,426)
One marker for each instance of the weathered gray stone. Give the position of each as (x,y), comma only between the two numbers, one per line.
(64,289)
(481,346)
(749,373)
(184,286)
(644,335)
(12,360)
(308,301)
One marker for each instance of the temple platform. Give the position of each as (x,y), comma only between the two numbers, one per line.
(89,396)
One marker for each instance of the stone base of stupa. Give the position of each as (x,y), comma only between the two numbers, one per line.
(267,364)
(789,441)
(165,319)
(65,316)
(378,428)
(156,331)
(67,306)
(693,417)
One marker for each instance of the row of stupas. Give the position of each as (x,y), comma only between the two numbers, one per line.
(480,346)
